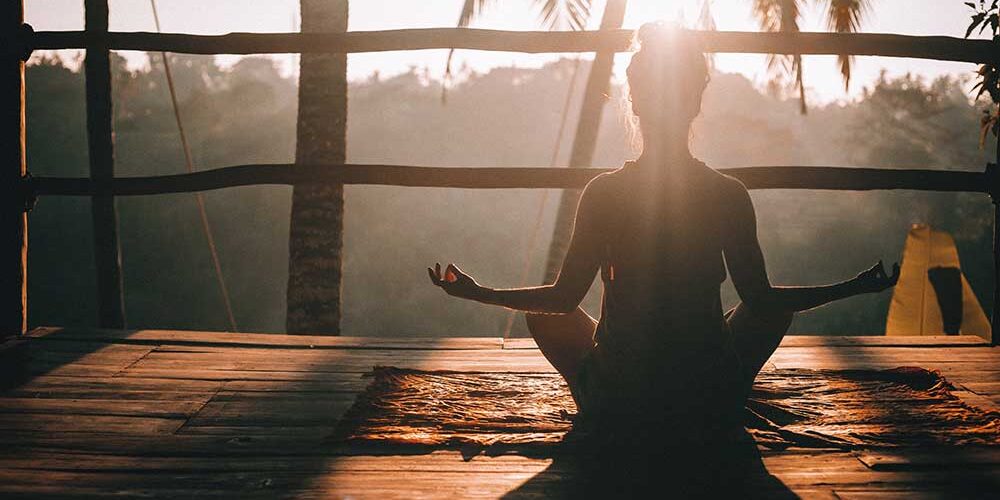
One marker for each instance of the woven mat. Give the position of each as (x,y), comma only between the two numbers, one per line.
(805,408)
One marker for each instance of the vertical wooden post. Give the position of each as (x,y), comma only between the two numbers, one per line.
(110,308)
(995,318)
(994,189)
(13,218)
(995,192)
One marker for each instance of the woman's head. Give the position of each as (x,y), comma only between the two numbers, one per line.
(666,78)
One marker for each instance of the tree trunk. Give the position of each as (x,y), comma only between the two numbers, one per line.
(316,235)
(598,84)
(101,149)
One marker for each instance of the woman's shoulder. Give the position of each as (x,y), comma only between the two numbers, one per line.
(610,179)
(730,184)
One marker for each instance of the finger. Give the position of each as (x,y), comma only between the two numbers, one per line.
(454,272)
(434,278)
(437,270)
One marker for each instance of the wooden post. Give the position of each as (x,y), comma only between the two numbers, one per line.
(995,191)
(110,308)
(995,318)
(13,218)
(993,178)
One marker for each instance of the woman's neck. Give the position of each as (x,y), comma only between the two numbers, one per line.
(657,154)
(665,144)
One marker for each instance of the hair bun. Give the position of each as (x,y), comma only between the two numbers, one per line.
(656,33)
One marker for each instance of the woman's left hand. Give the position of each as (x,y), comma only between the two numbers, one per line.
(454,282)
(875,279)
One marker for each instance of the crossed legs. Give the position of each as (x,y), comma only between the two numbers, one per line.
(565,339)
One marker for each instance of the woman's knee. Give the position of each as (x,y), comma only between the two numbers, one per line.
(762,318)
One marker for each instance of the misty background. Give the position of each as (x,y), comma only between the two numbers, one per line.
(245,113)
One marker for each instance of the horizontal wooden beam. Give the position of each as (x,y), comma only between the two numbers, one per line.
(827,178)
(864,44)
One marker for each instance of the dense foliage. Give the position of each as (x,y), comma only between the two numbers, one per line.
(507,117)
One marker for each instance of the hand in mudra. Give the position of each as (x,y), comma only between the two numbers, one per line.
(454,281)
(875,279)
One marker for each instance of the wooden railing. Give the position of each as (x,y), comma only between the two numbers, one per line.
(832,178)
(20,190)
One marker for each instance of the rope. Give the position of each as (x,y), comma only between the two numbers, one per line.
(206,228)
(533,236)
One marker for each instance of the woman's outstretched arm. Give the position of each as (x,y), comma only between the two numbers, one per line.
(575,278)
(746,266)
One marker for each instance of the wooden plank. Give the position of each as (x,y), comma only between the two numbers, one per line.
(262,340)
(883,341)
(271,412)
(944,458)
(118,407)
(102,357)
(332,383)
(81,393)
(243,365)
(788,177)
(292,395)
(105,424)
(163,444)
(439,461)
(919,352)
(878,44)
(57,383)
(100,141)
(909,493)
(835,341)
(315,432)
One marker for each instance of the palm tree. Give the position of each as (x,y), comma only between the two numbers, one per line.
(842,16)
(315,241)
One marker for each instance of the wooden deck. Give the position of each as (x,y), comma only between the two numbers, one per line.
(176,414)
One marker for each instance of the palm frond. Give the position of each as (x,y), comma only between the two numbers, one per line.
(845,16)
(554,14)
(706,22)
(470,10)
(562,14)
(782,16)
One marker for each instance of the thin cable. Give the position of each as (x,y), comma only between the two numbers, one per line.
(206,228)
(533,237)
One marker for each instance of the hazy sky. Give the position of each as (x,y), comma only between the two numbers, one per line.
(919,17)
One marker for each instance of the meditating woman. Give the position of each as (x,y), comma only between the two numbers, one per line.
(662,230)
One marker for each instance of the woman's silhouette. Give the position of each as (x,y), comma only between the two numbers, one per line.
(662,230)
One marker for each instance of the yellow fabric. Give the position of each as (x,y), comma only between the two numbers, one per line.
(914,309)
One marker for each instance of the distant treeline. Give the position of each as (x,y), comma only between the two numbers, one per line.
(507,117)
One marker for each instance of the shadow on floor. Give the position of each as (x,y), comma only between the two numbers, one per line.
(734,470)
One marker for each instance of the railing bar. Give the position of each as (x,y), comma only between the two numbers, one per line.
(862,44)
(784,177)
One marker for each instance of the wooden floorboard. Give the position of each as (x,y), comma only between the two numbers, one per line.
(175,414)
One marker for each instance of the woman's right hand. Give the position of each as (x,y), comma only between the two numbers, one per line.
(875,278)
(455,282)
